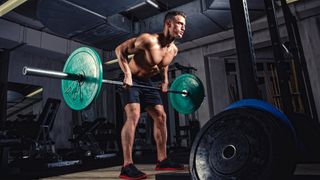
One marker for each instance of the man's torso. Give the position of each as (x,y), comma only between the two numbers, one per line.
(148,62)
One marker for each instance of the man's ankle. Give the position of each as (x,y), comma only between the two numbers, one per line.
(127,164)
(162,159)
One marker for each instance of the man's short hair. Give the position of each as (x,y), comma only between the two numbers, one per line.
(171,14)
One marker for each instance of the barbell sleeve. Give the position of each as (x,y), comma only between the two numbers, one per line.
(77,77)
(51,74)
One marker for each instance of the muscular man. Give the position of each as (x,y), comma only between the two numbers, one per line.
(152,55)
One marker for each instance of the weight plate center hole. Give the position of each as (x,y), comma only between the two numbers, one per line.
(229,151)
(82,77)
(185,93)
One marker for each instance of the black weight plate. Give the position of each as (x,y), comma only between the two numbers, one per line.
(243,143)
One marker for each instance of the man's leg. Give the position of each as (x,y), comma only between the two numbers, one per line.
(159,117)
(128,131)
(129,171)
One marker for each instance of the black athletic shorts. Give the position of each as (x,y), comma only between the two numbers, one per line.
(145,97)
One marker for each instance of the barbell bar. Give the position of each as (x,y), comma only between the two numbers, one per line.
(113,61)
(82,80)
(78,77)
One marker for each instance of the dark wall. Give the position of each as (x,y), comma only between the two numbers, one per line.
(4,63)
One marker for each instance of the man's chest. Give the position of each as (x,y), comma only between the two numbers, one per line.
(161,56)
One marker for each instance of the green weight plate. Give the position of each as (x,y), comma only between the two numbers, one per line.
(190,103)
(80,94)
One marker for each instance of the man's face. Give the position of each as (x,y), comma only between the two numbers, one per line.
(177,26)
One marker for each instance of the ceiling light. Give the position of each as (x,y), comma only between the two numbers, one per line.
(84,9)
(136,6)
(9,5)
(153,4)
(291,1)
(35,92)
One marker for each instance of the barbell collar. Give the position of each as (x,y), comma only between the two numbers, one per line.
(184,92)
(51,74)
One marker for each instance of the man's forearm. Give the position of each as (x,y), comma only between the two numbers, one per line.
(164,74)
(123,61)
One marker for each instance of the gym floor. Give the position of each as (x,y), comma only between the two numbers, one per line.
(303,172)
(112,173)
(110,168)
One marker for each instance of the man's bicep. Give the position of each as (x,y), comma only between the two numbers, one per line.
(134,45)
(128,47)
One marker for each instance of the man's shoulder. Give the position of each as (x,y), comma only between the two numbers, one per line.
(147,37)
(174,48)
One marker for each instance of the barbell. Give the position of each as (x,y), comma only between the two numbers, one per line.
(82,78)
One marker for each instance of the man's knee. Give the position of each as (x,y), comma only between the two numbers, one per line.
(133,117)
(161,118)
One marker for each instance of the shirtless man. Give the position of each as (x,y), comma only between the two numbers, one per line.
(152,55)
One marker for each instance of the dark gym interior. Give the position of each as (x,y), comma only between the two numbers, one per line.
(254,115)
